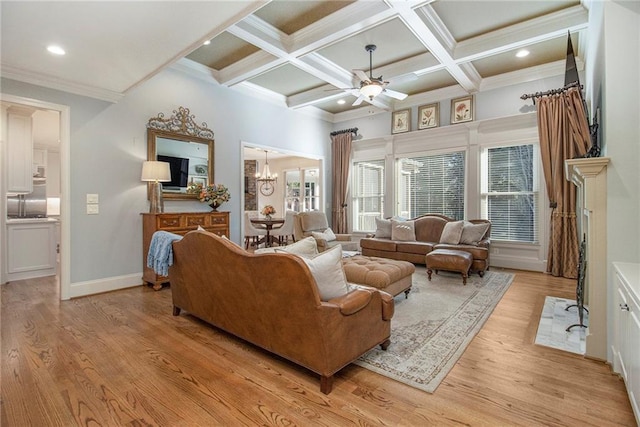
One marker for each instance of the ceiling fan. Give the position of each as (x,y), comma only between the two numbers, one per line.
(370,86)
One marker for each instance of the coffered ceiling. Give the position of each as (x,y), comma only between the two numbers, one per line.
(300,54)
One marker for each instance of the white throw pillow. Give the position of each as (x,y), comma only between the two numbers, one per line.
(383,228)
(328,272)
(473,233)
(327,235)
(452,232)
(403,231)
(306,246)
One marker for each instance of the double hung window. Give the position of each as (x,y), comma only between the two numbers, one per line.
(432,184)
(510,192)
(368,194)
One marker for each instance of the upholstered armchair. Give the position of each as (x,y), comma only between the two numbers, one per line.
(315,224)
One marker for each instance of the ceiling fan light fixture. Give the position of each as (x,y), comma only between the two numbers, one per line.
(371,90)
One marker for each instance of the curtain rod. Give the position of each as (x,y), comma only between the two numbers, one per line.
(338,132)
(550,92)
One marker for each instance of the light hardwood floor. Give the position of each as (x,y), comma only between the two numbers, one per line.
(122,359)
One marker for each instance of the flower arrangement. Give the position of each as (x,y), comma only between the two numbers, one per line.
(214,194)
(268,210)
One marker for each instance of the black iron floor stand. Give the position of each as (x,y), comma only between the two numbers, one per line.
(582,266)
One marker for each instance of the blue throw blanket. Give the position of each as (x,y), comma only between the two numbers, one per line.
(160,256)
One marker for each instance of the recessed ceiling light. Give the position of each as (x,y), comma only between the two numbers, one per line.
(341,101)
(208,42)
(56,50)
(522,53)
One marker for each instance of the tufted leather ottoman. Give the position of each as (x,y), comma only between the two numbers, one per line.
(388,275)
(449,260)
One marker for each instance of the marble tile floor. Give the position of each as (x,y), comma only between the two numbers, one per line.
(553,323)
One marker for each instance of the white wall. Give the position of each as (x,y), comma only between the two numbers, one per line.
(613,69)
(502,102)
(108,145)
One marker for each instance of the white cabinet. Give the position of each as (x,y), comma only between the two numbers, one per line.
(19,149)
(626,343)
(31,248)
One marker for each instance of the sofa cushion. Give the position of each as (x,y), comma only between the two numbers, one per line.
(452,232)
(473,233)
(328,272)
(403,231)
(383,228)
(378,244)
(421,248)
(327,235)
(306,246)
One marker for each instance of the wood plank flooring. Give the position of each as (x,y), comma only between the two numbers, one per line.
(122,359)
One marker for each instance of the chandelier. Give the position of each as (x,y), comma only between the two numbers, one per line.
(266,180)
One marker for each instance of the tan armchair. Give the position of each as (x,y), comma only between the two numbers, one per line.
(305,223)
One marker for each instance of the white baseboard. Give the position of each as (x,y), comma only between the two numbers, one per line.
(90,287)
(518,263)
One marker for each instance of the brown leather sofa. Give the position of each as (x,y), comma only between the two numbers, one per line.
(272,301)
(428,232)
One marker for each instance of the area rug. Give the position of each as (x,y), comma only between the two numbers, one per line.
(554,321)
(431,329)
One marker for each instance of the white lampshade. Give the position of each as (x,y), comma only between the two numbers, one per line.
(156,171)
(371,90)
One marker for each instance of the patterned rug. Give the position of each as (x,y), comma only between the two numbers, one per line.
(431,329)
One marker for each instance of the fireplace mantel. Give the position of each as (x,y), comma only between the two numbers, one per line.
(590,176)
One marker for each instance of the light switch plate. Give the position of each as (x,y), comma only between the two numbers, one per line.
(92,198)
(92,210)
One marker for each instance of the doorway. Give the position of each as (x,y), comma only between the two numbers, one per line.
(53,157)
(286,164)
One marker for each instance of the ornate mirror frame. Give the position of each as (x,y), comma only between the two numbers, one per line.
(181,126)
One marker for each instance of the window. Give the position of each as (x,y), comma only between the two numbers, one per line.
(294,200)
(368,194)
(509,192)
(432,184)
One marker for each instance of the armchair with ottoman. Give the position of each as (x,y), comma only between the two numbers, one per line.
(461,246)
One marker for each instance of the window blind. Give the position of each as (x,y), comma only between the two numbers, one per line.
(512,202)
(432,184)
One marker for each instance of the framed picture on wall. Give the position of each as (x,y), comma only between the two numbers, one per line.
(428,116)
(462,109)
(202,180)
(401,121)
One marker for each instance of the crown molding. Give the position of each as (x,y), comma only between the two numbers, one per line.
(40,79)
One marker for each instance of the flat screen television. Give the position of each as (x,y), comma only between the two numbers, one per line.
(179,171)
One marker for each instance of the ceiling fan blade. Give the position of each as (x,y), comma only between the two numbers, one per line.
(361,75)
(394,94)
(359,100)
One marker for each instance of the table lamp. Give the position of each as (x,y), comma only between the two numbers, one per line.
(156,172)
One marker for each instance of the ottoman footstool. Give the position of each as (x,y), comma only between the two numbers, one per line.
(449,260)
(391,276)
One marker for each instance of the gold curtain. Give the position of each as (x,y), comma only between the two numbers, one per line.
(341,156)
(564,134)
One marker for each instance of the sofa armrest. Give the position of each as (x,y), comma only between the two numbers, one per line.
(359,298)
(343,237)
(353,301)
(485,243)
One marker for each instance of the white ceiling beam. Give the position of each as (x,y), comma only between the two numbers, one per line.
(523,34)
(469,81)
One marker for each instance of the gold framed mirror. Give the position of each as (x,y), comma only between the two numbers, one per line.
(186,146)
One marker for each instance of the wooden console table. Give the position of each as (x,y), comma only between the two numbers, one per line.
(177,223)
